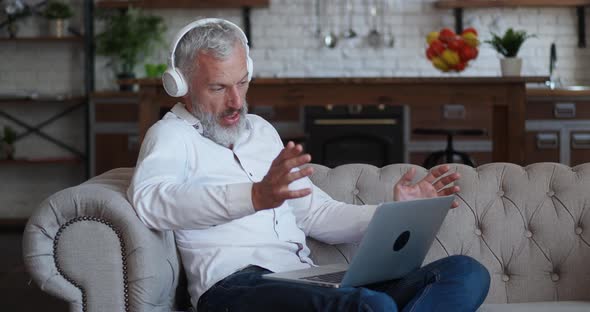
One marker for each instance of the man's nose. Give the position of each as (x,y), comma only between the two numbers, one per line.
(234,99)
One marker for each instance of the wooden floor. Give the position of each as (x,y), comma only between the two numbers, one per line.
(17,291)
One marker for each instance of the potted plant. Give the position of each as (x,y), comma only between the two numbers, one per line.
(127,38)
(57,13)
(508,45)
(7,143)
(14,11)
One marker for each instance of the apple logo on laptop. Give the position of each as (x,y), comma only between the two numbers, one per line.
(401,241)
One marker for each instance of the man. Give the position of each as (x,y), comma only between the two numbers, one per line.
(240,207)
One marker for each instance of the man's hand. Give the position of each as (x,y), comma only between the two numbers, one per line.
(430,186)
(273,190)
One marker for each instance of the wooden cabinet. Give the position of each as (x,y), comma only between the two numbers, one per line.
(114,138)
(558,128)
(496,103)
(579,147)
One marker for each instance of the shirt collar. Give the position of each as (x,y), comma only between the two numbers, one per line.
(180,110)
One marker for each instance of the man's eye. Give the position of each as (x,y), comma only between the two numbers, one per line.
(217,89)
(244,82)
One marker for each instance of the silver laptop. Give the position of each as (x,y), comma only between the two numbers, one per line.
(395,243)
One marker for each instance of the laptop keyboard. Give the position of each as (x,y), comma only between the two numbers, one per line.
(335,277)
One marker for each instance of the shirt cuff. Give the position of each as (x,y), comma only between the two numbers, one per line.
(239,198)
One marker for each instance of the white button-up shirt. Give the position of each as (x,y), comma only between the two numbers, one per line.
(185,182)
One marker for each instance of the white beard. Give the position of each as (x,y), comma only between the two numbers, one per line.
(224,136)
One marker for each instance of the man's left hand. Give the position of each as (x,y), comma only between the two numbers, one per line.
(432,185)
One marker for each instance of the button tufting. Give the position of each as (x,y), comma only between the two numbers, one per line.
(554,277)
(505,277)
(528,234)
(500,193)
(579,230)
(478,232)
(550,193)
(356,191)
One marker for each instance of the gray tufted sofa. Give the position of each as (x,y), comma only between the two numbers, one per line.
(529,226)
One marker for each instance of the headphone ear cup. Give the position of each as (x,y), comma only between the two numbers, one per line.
(174,83)
(250,65)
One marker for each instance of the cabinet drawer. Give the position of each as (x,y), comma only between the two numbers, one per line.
(580,147)
(558,110)
(451,116)
(542,146)
(116,112)
(480,158)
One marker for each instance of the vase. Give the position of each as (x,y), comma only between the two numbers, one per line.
(12,29)
(124,81)
(58,28)
(511,66)
(6,151)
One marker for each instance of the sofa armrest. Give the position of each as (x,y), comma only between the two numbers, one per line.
(86,245)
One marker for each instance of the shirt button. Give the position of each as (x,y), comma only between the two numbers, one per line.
(478,232)
(555,277)
(528,234)
(579,230)
(505,278)
(277,222)
(250,173)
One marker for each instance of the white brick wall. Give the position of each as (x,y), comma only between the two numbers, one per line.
(285,45)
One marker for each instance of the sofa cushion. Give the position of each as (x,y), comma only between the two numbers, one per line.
(529,226)
(563,306)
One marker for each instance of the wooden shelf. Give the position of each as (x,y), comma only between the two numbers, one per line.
(459,5)
(181,4)
(40,161)
(24,100)
(454,4)
(44,39)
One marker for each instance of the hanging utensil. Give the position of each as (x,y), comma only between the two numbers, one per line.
(318,20)
(374,37)
(330,39)
(349,33)
(390,41)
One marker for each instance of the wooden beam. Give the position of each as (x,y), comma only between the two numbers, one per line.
(182,4)
(452,4)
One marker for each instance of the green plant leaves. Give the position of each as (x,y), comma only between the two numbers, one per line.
(509,44)
(128,37)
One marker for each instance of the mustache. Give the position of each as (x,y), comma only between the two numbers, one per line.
(231,111)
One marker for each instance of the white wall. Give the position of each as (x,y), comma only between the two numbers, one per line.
(285,45)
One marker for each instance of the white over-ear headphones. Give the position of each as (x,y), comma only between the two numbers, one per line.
(173,80)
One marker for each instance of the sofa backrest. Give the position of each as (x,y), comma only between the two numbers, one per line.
(530,226)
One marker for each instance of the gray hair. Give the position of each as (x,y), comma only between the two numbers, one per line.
(216,39)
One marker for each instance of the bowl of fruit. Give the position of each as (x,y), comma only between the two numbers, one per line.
(451,52)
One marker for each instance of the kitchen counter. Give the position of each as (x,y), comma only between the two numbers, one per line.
(495,103)
(546,92)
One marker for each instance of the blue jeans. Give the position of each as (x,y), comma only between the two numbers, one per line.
(455,283)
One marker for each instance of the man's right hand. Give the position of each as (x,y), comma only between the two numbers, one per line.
(273,190)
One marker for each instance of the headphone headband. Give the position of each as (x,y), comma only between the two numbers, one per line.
(195,24)
(173,80)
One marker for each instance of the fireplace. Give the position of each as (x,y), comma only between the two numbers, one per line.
(370,134)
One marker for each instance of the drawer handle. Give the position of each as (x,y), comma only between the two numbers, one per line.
(355,122)
(581,140)
(454,111)
(564,110)
(547,141)
(133,142)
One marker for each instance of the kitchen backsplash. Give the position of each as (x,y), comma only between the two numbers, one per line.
(286,44)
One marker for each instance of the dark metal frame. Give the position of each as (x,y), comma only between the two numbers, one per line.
(580,10)
(89,51)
